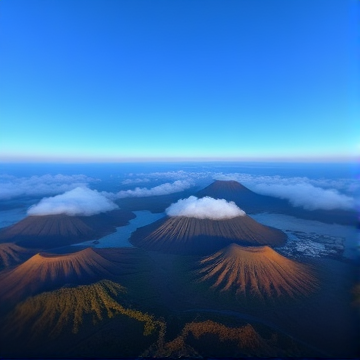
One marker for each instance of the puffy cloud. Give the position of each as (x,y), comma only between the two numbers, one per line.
(308,196)
(79,201)
(163,189)
(205,208)
(12,187)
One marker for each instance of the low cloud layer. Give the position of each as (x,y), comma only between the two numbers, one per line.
(135,181)
(79,201)
(308,196)
(300,191)
(163,189)
(12,187)
(205,208)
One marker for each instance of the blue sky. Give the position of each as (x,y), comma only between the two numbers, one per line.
(112,80)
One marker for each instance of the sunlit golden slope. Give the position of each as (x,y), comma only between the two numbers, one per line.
(11,254)
(46,272)
(256,271)
(186,235)
(67,308)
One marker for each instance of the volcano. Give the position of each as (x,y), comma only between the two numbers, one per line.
(256,272)
(11,254)
(253,203)
(248,200)
(225,189)
(193,236)
(44,272)
(51,231)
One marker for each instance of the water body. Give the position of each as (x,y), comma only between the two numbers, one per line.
(122,235)
(10,217)
(286,222)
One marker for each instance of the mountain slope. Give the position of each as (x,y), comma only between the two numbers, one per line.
(43,272)
(186,235)
(11,254)
(52,318)
(256,271)
(59,230)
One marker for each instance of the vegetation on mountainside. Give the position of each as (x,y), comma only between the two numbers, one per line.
(53,311)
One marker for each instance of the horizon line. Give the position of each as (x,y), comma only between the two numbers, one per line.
(138,159)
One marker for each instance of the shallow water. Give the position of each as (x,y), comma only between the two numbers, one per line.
(286,222)
(122,235)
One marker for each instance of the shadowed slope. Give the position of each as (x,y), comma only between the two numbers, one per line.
(225,189)
(11,254)
(59,230)
(256,271)
(253,203)
(45,272)
(185,235)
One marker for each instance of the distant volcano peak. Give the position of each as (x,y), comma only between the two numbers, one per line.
(226,189)
(228,184)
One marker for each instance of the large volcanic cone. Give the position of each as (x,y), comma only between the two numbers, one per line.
(188,235)
(44,272)
(256,271)
(49,231)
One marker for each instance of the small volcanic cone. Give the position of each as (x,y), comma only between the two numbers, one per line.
(188,235)
(256,271)
(11,254)
(44,272)
(49,231)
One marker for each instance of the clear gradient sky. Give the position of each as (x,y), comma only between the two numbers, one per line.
(115,79)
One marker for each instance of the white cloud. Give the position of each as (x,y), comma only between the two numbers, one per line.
(308,196)
(134,181)
(12,187)
(163,189)
(79,201)
(205,208)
